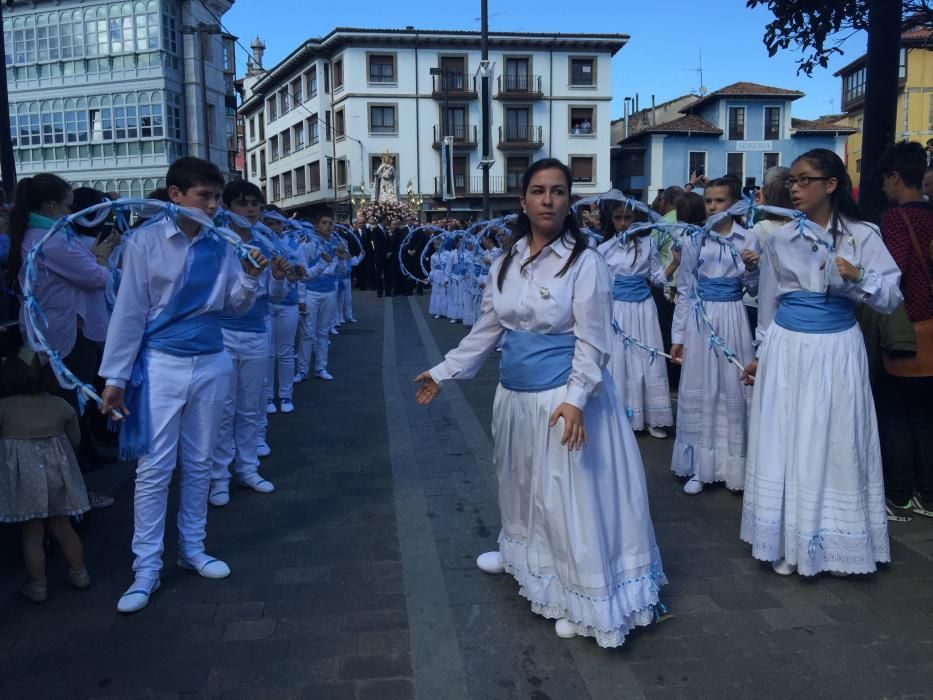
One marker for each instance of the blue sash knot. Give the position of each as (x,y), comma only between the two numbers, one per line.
(630,288)
(720,289)
(533,362)
(815,312)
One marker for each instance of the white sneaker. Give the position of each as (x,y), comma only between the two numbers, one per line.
(270,408)
(137,595)
(782,567)
(436,316)
(219,494)
(565,628)
(352,320)
(491,562)
(298,378)
(205,566)
(287,406)
(693,486)
(453,320)
(257,484)
(334,331)
(656,432)
(325,375)
(263,450)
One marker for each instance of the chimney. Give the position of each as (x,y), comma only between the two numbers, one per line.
(654,114)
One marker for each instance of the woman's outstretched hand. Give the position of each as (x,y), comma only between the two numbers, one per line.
(428,389)
(574,433)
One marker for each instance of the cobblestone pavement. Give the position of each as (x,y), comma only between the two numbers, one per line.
(355,579)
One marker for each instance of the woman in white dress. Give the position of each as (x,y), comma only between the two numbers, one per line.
(641,379)
(454,274)
(814,489)
(576,530)
(438,280)
(712,401)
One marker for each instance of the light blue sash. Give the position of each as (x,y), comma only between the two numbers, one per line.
(254,320)
(720,289)
(534,362)
(630,288)
(178,330)
(815,312)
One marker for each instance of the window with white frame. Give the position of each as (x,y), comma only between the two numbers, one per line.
(736,124)
(772,130)
(770,160)
(735,165)
(582,168)
(696,163)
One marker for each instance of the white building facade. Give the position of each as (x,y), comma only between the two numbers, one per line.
(109,94)
(384,91)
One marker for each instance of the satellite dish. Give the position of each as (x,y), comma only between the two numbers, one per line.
(703,90)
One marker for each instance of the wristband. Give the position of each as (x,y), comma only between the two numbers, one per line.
(861,274)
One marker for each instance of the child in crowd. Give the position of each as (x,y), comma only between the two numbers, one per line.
(438,280)
(712,409)
(165,359)
(40,482)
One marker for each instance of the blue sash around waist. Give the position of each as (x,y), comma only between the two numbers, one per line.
(324,284)
(534,362)
(720,289)
(253,321)
(180,329)
(630,288)
(815,312)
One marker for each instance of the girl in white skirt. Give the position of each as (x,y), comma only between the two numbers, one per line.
(576,531)
(641,379)
(438,281)
(454,273)
(712,402)
(814,490)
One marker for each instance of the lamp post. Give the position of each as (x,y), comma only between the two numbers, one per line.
(445,146)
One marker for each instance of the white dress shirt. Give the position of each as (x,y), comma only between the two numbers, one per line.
(534,298)
(789,263)
(639,257)
(155,265)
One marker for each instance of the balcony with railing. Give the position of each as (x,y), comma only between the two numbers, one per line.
(463,135)
(459,86)
(519,87)
(468,186)
(520,137)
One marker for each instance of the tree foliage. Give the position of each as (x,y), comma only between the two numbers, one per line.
(820,27)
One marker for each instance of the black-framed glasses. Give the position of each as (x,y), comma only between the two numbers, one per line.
(804,180)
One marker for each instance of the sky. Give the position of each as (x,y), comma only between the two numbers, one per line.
(661,58)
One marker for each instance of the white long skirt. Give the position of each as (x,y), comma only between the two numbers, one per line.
(814,490)
(438,304)
(576,530)
(454,299)
(472,296)
(641,381)
(712,402)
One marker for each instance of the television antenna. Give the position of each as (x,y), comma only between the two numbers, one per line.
(699,71)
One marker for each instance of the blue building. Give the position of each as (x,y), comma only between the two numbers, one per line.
(742,129)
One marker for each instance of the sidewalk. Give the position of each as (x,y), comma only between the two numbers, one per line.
(356,578)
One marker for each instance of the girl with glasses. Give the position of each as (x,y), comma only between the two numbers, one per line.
(814,491)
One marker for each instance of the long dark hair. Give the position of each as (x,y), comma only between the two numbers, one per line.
(522,227)
(829,164)
(31,194)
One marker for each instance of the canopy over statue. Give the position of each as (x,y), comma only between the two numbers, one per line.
(385,187)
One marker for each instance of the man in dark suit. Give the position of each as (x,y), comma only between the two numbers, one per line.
(379,249)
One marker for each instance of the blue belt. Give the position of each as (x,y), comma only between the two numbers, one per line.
(815,312)
(720,289)
(534,362)
(630,288)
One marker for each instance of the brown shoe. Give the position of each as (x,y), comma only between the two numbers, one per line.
(79,579)
(36,592)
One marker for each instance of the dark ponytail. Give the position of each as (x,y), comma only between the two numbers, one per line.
(31,194)
(522,227)
(828,164)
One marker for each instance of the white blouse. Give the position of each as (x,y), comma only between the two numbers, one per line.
(789,263)
(639,257)
(535,299)
(714,260)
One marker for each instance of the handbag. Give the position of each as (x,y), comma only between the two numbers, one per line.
(921,364)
